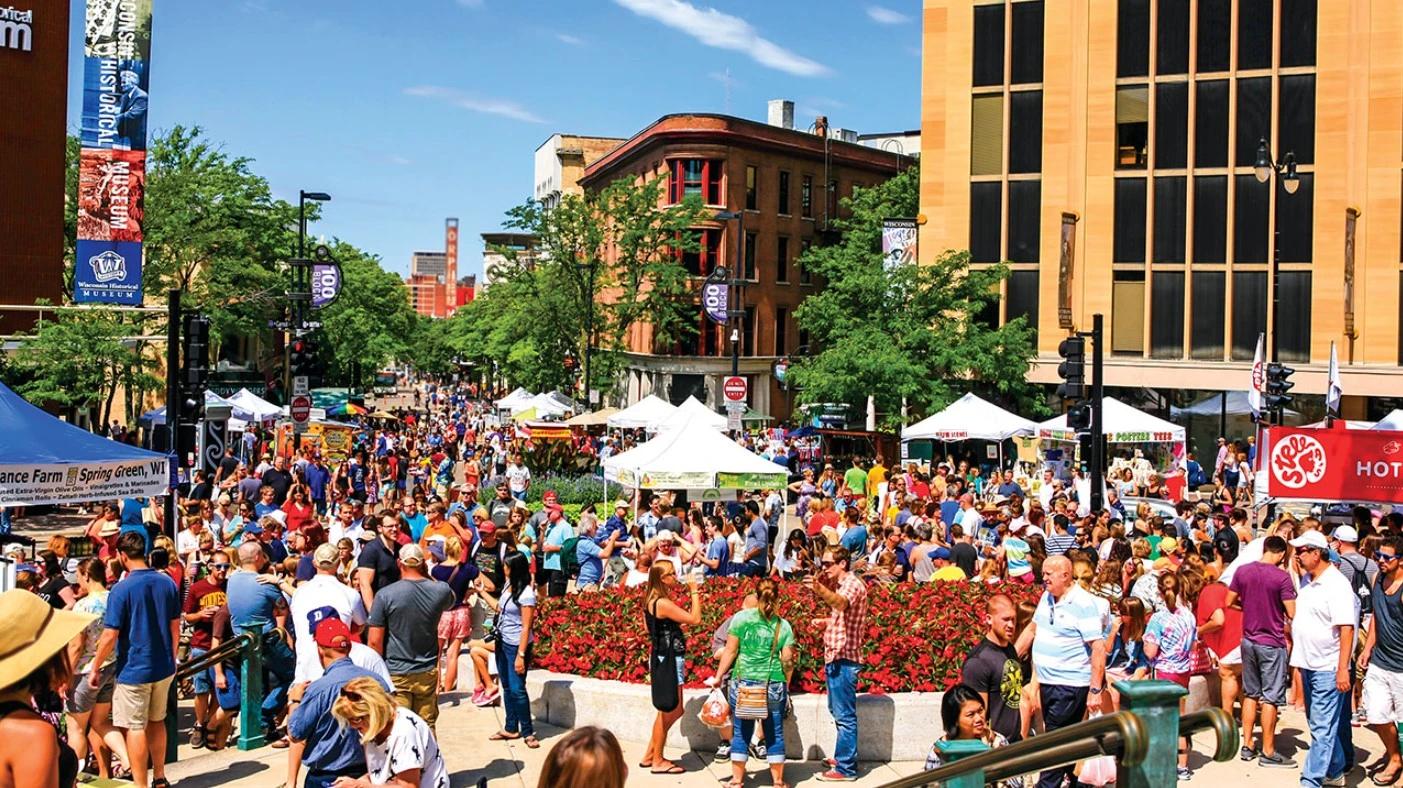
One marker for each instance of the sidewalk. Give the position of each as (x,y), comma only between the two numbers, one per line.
(463,730)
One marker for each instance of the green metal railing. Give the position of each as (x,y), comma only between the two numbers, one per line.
(1143,738)
(249,646)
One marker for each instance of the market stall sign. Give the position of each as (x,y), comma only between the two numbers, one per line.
(1334,464)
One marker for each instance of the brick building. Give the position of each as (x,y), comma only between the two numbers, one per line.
(788,184)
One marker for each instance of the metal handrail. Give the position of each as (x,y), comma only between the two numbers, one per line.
(1221,723)
(1121,734)
(222,652)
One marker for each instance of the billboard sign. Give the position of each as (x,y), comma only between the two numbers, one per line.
(112,161)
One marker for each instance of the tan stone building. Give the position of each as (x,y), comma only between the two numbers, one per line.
(1129,129)
(561,162)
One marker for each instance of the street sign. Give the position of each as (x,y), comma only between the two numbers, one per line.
(735,388)
(299,385)
(733,420)
(301,411)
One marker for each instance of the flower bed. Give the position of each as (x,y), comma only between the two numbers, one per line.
(917,634)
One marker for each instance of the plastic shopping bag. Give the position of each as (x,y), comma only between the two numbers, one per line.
(715,711)
(1098,771)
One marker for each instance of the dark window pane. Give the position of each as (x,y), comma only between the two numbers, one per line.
(1025,131)
(1294,217)
(1173,35)
(1024,204)
(751,188)
(1298,32)
(1296,122)
(1170,218)
(747,344)
(1132,127)
(1208,301)
(1249,312)
(1022,297)
(1294,324)
(989,44)
(781,331)
(1167,315)
(783,192)
(984,208)
(1253,117)
(748,272)
(1027,42)
(1171,125)
(1214,30)
(1133,38)
(1128,313)
(1211,124)
(782,260)
(1211,219)
(1254,34)
(1129,241)
(1250,213)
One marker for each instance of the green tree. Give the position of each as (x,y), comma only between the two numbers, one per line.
(904,333)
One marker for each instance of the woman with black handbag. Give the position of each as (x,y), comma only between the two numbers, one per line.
(760,645)
(667,658)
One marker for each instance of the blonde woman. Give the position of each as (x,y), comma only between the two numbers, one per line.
(400,748)
(664,620)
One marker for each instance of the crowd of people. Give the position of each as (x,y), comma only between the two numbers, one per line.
(366,578)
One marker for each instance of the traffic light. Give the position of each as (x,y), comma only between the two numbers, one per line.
(1072,369)
(1079,417)
(300,356)
(194,376)
(1277,385)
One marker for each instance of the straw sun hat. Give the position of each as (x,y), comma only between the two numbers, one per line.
(32,631)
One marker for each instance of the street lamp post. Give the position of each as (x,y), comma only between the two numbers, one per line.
(299,295)
(1289,181)
(735,312)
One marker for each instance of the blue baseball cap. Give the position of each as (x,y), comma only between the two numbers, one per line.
(940,554)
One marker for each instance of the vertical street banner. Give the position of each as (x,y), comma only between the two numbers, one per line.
(112,162)
(898,243)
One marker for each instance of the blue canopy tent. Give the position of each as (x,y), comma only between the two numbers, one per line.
(44,460)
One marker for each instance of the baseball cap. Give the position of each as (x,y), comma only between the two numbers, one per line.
(436,550)
(333,633)
(411,555)
(1310,539)
(325,555)
(1168,545)
(940,554)
(487,527)
(621,504)
(550,498)
(252,527)
(1346,533)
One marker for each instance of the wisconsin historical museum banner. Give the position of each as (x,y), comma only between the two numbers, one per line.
(112,164)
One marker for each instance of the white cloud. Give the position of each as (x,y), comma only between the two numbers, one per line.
(398,160)
(723,31)
(886,16)
(486,105)
(574,41)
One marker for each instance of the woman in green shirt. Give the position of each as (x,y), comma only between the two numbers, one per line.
(760,648)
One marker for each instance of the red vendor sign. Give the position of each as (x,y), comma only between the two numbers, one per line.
(1334,464)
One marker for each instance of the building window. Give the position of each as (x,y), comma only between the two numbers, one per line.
(782,259)
(1132,127)
(1127,313)
(988,45)
(1211,220)
(699,177)
(1296,123)
(803,348)
(1298,33)
(1024,220)
(1209,311)
(1025,131)
(1251,212)
(702,260)
(805,278)
(1294,323)
(987,135)
(1027,43)
(751,200)
(747,333)
(1249,312)
(1172,34)
(1133,38)
(1167,315)
(1022,298)
(781,331)
(1254,18)
(783,209)
(806,196)
(1214,35)
(1171,218)
(749,270)
(1129,236)
(1171,125)
(985,219)
(1295,218)
(1253,117)
(1211,124)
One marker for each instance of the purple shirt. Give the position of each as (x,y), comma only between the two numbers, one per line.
(1263,590)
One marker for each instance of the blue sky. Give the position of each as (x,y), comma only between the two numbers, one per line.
(408,112)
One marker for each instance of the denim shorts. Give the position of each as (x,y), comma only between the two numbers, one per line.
(202,682)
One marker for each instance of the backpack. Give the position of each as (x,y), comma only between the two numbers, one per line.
(569,558)
(1359,581)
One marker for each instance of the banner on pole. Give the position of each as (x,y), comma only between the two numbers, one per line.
(716,297)
(112,161)
(898,243)
(326,284)
(1364,466)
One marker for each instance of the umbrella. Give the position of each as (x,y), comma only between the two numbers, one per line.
(347,409)
(380,414)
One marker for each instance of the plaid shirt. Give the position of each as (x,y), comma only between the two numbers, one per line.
(842,638)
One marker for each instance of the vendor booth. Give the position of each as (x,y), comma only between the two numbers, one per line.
(517,397)
(332,438)
(969,418)
(646,412)
(599,418)
(692,410)
(693,456)
(1122,424)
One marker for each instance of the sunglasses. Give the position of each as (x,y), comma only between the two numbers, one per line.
(826,564)
(220,566)
(1383,557)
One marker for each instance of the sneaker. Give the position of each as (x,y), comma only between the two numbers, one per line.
(1334,782)
(1184,774)
(835,776)
(757,750)
(831,763)
(723,753)
(476,699)
(1276,759)
(197,738)
(1249,753)
(493,695)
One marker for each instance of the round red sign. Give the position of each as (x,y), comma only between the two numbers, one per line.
(734,388)
(300,408)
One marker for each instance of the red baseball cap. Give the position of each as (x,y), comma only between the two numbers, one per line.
(333,633)
(550,498)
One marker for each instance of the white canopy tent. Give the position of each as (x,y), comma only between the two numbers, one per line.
(158,416)
(1120,424)
(970,418)
(693,456)
(1212,405)
(544,405)
(644,413)
(692,410)
(1393,421)
(261,409)
(517,397)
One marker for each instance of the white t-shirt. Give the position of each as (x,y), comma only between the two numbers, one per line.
(517,477)
(410,745)
(320,597)
(186,542)
(1322,606)
(365,657)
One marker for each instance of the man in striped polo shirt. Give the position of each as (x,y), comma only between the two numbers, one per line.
(1069,653)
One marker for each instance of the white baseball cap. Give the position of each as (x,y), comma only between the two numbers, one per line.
(1311,539)
(1346,533)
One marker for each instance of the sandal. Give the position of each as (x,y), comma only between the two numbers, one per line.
(671,769)
(532,742)
(1378,778)
(504,736)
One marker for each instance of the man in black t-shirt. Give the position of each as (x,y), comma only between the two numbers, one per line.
(279,479)
(962,553)
(378,564)
(993,669)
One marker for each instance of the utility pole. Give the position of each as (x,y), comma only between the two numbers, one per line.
(1098,431)
(173,319)
(737,310)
